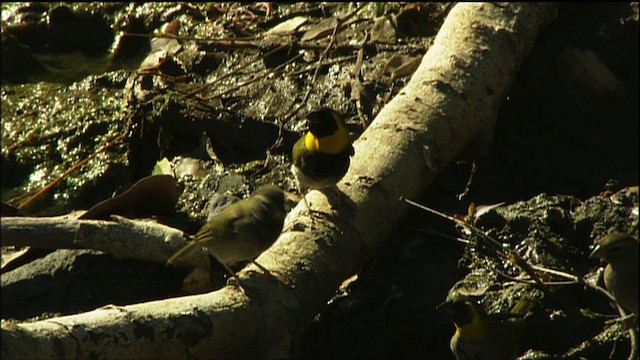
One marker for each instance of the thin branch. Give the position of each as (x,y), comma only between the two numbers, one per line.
(73,168)
(257,78)
(233,72)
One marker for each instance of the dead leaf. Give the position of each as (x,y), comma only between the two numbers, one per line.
(399,66)
(321,29)
(288,26)
(156,194)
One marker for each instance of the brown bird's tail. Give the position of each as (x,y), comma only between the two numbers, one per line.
(186,250)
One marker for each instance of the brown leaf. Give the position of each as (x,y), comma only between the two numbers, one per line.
(156,194)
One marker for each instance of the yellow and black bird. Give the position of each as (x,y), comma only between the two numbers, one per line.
(321,157)
(480,336)
(620,251)
(241,231)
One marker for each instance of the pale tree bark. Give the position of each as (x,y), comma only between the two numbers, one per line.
(450,102)
(123,238)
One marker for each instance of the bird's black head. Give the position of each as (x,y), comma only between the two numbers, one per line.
(460,311)
(323,122)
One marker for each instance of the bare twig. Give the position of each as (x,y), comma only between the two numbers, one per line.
(234,71)
(502,249)
(315,66)
(257,78)
(73,168)
(474,230)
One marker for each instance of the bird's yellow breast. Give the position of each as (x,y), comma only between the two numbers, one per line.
(331,144)
(474,330)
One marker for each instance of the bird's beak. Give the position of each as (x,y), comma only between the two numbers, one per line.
(445,307)
(596,252)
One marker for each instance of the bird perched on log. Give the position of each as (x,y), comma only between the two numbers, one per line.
(321,157)
(241,231)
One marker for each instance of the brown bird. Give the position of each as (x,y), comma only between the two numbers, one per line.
(241,231)
(620,251)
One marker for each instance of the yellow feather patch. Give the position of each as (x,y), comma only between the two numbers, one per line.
(311,142)
(332,144)
(475,330)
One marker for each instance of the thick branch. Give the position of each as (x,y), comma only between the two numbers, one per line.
(124,238)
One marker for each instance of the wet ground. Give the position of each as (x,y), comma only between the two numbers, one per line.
(564,148)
